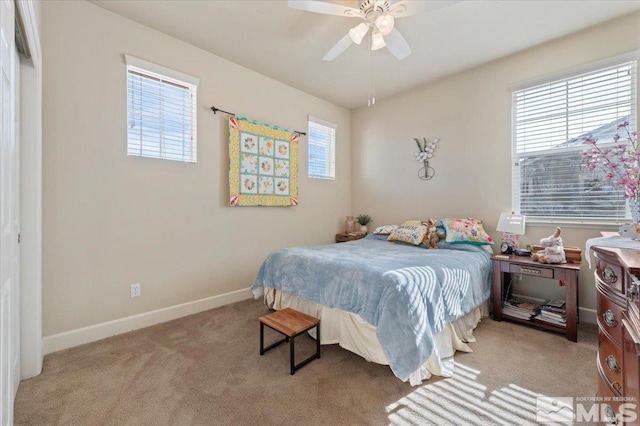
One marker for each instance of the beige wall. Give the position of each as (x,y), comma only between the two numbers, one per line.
(471,113)
(110,220)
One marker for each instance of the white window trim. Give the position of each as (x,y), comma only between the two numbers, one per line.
(167,74)
(586,68)
(592,66)
(159,69)
(334,126)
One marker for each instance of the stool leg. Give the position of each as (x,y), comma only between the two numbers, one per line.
(261,339)
(318,340)
(291,356)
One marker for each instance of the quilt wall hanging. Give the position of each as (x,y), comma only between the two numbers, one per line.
(263,164)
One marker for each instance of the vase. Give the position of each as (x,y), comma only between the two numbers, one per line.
(350,224)
(634,208)
(363,228)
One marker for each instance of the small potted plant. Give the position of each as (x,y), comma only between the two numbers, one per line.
(363,220)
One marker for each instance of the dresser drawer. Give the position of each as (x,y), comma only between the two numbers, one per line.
(610,273)
(610,318)
(531,270)
(610,361)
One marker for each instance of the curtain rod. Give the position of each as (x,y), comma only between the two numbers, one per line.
(215,110)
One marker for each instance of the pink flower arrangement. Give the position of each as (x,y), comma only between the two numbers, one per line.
(620,164)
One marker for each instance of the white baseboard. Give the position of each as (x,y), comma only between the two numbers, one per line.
(588,315)
(68,339)
(80,336)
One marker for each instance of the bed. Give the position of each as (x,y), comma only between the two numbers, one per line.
(392,303)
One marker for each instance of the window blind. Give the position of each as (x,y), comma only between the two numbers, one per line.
(549,123)
(161,115)
(322,149)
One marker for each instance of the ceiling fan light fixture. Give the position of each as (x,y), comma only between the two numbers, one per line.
(385,23)
(377,41)
(358,32)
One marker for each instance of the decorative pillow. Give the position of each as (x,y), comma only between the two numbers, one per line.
(465,231)
(413,222)
(410,232)
(385,229)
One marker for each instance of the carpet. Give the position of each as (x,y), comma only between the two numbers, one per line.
(205,369)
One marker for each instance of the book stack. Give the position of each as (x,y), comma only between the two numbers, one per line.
(520,308)
(553,311)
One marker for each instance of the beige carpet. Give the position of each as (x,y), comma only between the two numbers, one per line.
(206,370)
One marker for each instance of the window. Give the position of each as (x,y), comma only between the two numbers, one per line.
(322,149)
(161,112)
(550,121)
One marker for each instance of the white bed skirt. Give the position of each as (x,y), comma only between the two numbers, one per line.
(352,333)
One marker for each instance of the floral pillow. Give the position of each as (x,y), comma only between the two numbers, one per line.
(465,231)
(410,232)
(385,229)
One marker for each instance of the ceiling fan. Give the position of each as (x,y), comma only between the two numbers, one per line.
(378,17)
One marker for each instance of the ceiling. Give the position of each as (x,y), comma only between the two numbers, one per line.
(288,44)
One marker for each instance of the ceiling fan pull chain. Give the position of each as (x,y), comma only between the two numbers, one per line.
(372,82)
(372,77)
(369,73)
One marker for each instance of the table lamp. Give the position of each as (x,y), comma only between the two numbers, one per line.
(512,226)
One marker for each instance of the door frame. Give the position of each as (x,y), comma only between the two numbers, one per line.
(30,131)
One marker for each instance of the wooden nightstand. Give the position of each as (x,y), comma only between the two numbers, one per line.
(341,238)
(565,273)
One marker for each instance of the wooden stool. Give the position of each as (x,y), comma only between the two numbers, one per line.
(291,323)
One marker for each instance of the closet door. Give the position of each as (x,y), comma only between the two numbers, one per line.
(9,218)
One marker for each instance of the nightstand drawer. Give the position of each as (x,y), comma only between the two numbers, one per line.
(341,238)
(531,270)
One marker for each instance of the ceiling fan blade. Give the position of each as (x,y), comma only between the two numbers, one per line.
(323,7)
(408,7)
(397,45)
(342,45)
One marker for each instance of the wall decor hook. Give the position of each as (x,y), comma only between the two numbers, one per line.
(425,152)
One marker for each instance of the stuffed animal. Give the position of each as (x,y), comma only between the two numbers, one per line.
(433,235)
(552,251)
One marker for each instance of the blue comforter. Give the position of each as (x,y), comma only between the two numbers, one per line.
(408,293)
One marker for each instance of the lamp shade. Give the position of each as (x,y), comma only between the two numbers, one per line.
(511,223)
(358,32)
(385,24)
(377,41)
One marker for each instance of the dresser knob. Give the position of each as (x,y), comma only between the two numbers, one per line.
(609,318)
(632,292)
(610,415)
(612,364)
(609,276)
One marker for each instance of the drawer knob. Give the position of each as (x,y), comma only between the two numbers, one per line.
(609,318)
(609,276)
(612,364)
(610,415)
(530,271)
(632,292)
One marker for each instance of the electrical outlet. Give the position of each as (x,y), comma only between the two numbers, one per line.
(136,291)
(518,277)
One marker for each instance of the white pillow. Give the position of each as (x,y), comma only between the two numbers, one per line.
(385,229)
